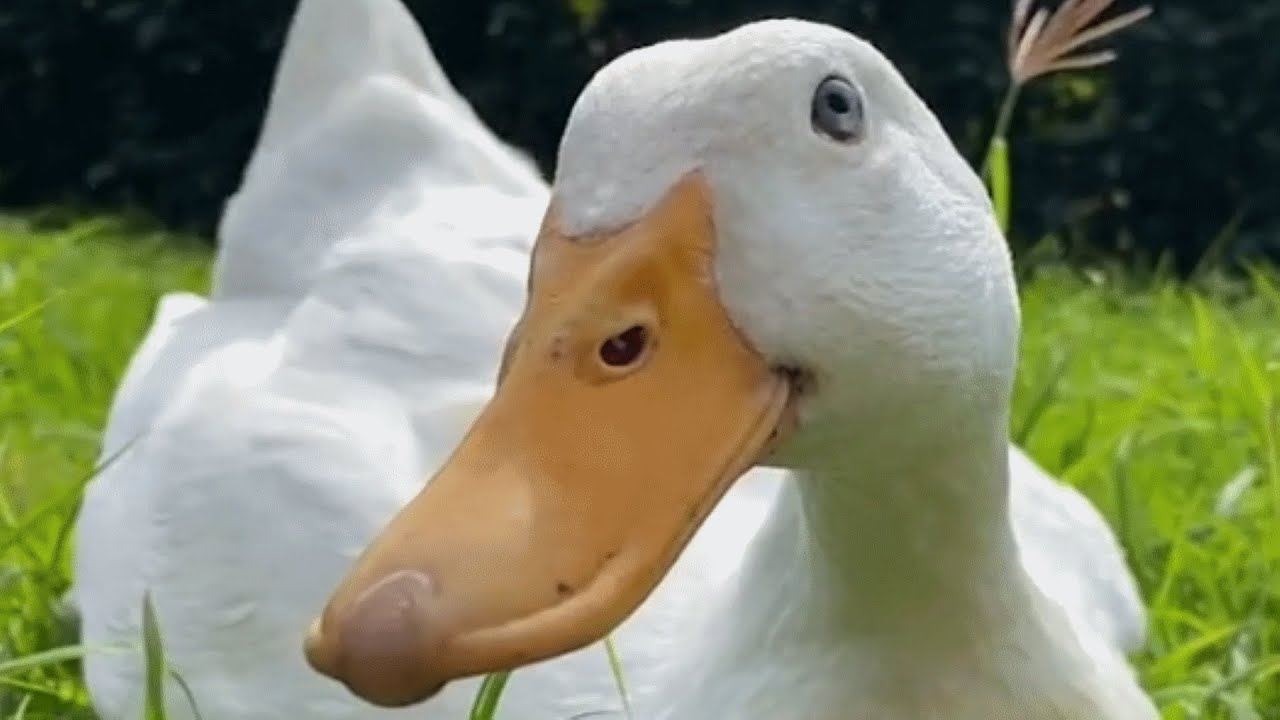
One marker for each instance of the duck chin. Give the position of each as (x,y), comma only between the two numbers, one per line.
(882,408)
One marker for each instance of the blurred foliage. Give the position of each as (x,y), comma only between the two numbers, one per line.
(156,103)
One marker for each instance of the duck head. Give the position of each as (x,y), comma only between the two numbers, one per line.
(752,239)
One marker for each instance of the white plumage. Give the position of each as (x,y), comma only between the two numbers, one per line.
(370,267)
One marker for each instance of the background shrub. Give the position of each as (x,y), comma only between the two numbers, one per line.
(155,103)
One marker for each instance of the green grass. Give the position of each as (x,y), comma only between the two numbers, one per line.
(80,300)
(1158,401)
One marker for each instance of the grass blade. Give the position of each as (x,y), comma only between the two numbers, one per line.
(487,697)
(29,312)
(59,502)
(186,692)
(153,652)
(615,667)
(23,706)
(1001,183)
(48,657)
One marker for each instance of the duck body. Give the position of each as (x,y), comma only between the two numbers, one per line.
(370,270)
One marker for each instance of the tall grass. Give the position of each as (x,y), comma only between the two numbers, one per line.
(73,305)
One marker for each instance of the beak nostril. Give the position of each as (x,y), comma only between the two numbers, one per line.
(385,641)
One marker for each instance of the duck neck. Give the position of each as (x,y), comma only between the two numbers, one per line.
(904,536)
(892,566)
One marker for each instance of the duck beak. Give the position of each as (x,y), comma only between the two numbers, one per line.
(627,405)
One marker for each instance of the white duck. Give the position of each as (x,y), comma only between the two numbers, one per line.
(370,268)
(765,233)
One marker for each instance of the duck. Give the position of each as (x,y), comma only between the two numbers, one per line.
(754,413)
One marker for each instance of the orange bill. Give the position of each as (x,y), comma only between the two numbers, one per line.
(627,405)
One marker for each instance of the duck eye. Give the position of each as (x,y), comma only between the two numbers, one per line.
(837,110)
(624,348)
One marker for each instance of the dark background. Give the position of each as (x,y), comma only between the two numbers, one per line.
(153,105)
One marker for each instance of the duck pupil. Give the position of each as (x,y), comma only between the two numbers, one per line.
(838,103)
(623,349)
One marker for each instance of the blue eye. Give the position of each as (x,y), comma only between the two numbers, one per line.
(837,110)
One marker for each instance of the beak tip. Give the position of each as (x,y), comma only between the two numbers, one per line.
(384,643)
(318,650)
